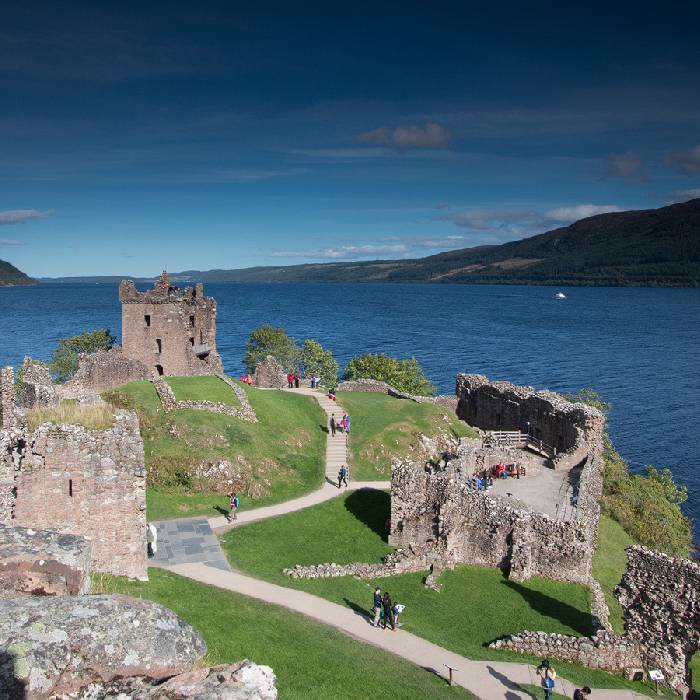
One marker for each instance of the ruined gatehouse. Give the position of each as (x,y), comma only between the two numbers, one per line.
(170,330)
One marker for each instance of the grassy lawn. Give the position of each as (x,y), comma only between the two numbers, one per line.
(609,564)
(475,606)
(202,389)
(383,427)
(695,672)
(280,457)
(311,660)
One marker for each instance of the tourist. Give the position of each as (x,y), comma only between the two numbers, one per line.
(151,539)
(397,610)
(243,378)
(290,380)
(333,424)
(387,606)
(233,503)
(331,394)
(296,380)
(249,379)
(548,677)
(347,423)
(343,476)
(582,693)
(314,381)
(377,602)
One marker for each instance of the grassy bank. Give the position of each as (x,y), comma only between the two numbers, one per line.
(311,660)
(279,457)
(383,427)
(70,413)
(202,389)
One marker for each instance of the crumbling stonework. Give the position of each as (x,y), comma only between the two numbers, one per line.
(100,371)
(269,374)
(170,403)
(572,431)
(171,331)
(37,387)
(8,405)
(660,598)
(602,651)
(42,562)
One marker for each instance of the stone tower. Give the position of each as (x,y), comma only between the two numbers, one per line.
(170,330)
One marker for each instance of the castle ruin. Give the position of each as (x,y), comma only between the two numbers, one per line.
(170,330)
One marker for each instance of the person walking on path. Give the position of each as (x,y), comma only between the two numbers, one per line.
(343,476)
(582,693)
(296,380)
(233,503)
(377,604)
(548,677)
(333,424)
(344,422)
(152,540)
(347,423)
(387,605)
(290,380)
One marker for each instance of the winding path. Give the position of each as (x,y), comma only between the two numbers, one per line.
(489,680)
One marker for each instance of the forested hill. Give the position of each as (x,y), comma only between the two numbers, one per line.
(11,276)
(655,247)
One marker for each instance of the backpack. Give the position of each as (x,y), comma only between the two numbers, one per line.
(235,502)
(549,683)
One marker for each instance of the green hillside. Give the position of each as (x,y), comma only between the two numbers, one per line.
(10,276)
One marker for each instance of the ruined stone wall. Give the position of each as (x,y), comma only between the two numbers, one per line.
(269,374)
(660,598)
(574,430)
(8,418)
(37,387)
(171,331)
(436,508)
(90,483)
(100,371)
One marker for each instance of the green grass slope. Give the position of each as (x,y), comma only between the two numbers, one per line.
(382,427)
(281,456)
(202,389)
(311,661)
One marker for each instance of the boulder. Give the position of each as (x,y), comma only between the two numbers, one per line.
(54,646)
(269,374)
(42,562)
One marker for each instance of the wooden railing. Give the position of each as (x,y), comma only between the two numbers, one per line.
(514,438)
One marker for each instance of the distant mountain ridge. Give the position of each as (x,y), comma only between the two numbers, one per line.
(10,276)
(648,248)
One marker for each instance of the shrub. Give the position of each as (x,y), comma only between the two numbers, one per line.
(270,340)
(64,361)
(313,358)
(404,375)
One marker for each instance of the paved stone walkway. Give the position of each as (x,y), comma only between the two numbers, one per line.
(188,541)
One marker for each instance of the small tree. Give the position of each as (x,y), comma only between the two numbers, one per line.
(313,358)
(404,375)
(270,340)
(592,398)
(64,361)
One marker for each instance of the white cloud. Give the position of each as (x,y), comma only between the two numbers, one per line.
(20,216)
(515,220)
(686,161)
(683,196)
(408,138)
(344,251)
(568,215)
(9,242)
(627,166)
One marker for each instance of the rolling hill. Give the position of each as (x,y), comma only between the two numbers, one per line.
(10,276)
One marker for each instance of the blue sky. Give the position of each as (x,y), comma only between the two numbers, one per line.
(137,136)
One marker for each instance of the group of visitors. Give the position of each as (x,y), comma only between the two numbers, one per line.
(549,676)
(246,379)
(339,426)
(314,381)
(293,380)
(503,471)
(384,610)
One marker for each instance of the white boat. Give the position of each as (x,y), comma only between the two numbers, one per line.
(560,295)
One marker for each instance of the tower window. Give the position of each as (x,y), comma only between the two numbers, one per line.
(191,321)
(191,341)
(70,487)
(147,319)
(159,345)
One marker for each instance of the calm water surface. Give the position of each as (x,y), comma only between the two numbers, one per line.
(639,348)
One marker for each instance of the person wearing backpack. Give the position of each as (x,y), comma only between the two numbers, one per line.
(234,503)
(548,677)
(343,476)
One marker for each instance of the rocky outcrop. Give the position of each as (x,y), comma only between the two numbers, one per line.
(61,645)
(42,562)
(269,374)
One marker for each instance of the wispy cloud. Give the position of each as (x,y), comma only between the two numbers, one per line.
(408,138)
(21,216)
(628,166)
(344,252)
(685,161)
(580,211)
(9,242)
(683,196)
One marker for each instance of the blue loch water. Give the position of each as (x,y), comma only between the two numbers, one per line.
(639,348)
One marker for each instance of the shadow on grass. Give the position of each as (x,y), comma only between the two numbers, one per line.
(372,508)
(324,429)
(544,604)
